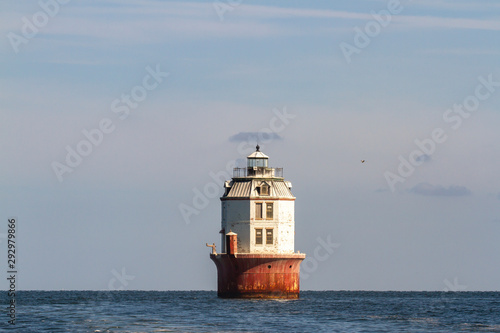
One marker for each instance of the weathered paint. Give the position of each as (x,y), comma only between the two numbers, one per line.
(270,269)
(240,217)
(258,275)
(232,241)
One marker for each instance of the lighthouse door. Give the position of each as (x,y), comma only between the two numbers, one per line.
(231,243)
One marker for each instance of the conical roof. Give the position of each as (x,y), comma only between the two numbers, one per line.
(257,154)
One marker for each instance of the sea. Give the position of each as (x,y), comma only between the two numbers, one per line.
(202,311)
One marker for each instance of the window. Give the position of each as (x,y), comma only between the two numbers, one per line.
(269,211)
(258,236)
(257,162)
(269,236)
(258,210)
(264,190)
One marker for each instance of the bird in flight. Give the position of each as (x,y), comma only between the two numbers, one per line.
(362,161)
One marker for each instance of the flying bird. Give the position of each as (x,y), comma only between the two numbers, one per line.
(362,161)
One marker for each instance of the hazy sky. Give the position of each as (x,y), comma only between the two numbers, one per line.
(119,120)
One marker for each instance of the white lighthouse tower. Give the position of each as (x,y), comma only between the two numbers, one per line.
(258,231)
(258,205)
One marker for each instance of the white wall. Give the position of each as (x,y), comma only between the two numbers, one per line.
(239,216)
(283,226)
(236,217)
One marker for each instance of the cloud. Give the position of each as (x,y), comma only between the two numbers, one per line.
(256,137)
(423,158)
(447,23)
(439,190)
(461,51)
(453,5)
(139,22)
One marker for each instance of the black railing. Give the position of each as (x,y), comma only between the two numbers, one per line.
(257,172)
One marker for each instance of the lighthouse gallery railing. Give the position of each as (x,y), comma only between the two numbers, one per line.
(257,172)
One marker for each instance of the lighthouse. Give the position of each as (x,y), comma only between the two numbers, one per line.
(257,234)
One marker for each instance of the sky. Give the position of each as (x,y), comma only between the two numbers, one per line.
(120,121)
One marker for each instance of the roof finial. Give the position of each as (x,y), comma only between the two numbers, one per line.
(258,147)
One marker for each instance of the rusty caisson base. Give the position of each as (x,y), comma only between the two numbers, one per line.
(258,275)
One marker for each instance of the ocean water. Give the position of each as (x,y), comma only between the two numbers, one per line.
(202,311)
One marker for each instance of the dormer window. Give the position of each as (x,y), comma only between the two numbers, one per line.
(227,187)
(264,190)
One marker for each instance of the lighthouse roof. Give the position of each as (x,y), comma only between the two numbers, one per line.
(257,154)
(248,188)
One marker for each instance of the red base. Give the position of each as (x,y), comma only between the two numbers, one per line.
(258,275)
